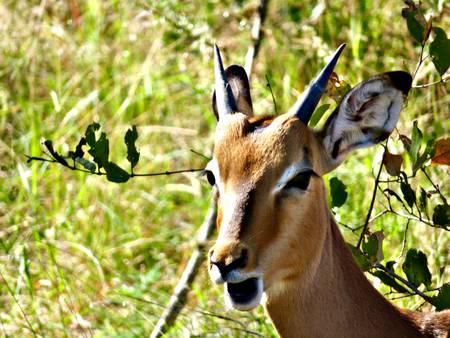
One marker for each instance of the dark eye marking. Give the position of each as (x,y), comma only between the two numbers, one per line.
(209,176)
(301,180)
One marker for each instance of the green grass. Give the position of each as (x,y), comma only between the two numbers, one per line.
(80,256)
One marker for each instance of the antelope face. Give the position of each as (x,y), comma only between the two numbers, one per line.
(266,173)
(270,196)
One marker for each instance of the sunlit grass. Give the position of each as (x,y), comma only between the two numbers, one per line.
(80,256)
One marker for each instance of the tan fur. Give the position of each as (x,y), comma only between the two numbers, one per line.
(313,287)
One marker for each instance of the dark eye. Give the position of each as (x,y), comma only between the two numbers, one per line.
(301,181)
(209,176)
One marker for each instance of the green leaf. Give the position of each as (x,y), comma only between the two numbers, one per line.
(427,154)
(393,193)
(338,192)
(370,246)
(389,281)
(440,51)
(390,266)
(317,115)
(416,268)
(360,258)
(441,215)
(86,164)
(90,133)
(423,200)
(79,153)
(116,174)
(100,151)
(130,141)
(408,193)
(414,27)
(416,142)
(442,300)
(49,145)
(406,142)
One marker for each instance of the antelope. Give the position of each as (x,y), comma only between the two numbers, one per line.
(278,243)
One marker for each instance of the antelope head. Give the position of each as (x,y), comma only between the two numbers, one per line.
(266,173)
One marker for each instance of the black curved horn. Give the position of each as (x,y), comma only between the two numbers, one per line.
(226,104)
(305,105)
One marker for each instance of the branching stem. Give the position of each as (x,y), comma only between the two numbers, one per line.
(100,173)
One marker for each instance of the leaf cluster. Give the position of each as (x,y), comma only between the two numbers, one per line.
(97,145)
(415,203)
(420,30)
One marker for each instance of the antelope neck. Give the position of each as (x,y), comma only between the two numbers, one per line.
(338,301)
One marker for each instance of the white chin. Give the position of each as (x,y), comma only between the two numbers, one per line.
(244,296)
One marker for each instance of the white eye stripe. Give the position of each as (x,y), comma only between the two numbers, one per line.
(289,173)
(213,166)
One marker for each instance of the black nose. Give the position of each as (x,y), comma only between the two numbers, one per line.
(237,263)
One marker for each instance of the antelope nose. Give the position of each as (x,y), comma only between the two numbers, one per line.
(226,263)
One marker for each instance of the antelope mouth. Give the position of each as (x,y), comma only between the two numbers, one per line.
(244,295)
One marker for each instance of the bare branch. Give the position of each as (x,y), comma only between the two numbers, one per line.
(178,298)
(429,84)
(256,36)
(75,168)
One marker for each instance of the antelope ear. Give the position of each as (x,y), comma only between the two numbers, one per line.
(238,80)
(366,116)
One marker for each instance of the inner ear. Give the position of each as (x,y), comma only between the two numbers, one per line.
(366,115)
(238,80)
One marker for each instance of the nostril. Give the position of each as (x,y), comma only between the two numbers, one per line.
(241,262)
(244,253)
(224,265)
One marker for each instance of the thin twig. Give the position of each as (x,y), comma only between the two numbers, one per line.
(100,173)
(421,59)
(200,154)
(434,185)
(415,218)
(404,281)
(192,309)
(372,202)
(192,170)
(404,237)
(271,93)
(428,84)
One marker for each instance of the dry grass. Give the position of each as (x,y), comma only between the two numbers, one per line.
(80,256)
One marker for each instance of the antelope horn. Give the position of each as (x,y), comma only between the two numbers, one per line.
(226,103)
(305,105)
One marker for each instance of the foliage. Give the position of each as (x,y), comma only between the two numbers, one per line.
(338,192)
(414,207)
(83,256)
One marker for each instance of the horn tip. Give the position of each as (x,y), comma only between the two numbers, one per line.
(339,50)
(217,56)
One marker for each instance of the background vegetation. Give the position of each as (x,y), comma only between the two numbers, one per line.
(80,256)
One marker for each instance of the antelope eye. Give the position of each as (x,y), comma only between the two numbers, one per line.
(300,181)
(209,176)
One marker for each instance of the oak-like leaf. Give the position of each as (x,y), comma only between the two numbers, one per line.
(442,152)
(392,163)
